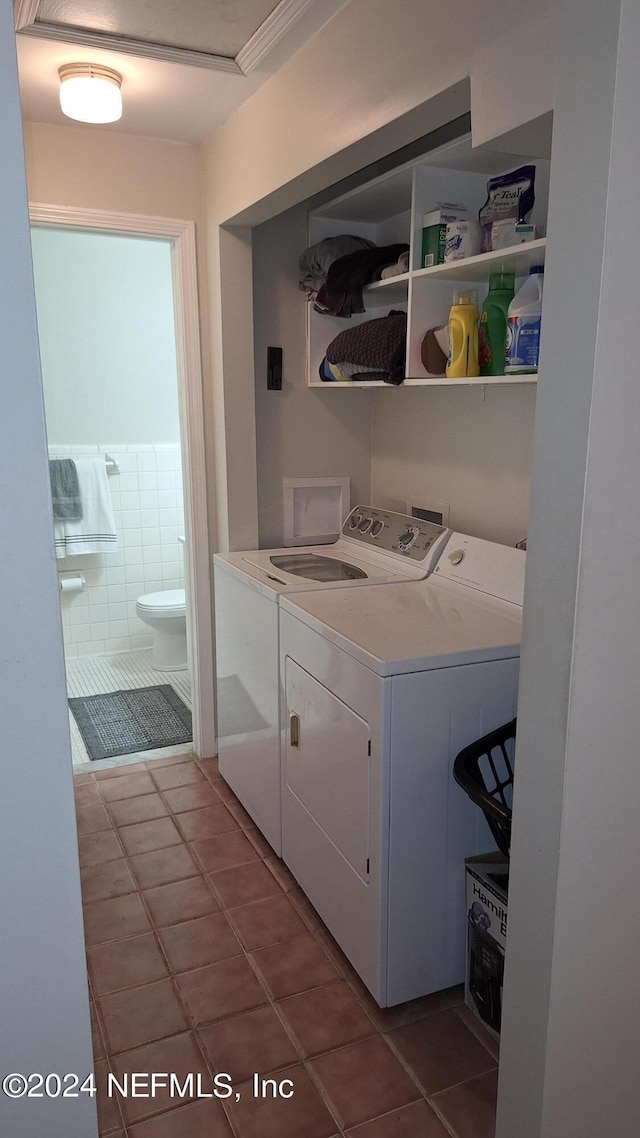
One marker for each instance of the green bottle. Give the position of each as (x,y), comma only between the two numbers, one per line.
(492,335)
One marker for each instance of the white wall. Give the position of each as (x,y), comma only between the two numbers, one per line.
(458,447)
(571,1028)
(107,338)
(299,432)
(513,77)
(45,1012)
(98,169)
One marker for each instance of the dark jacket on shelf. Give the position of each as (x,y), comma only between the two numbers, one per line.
(341,294)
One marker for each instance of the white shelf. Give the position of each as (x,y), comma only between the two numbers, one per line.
(392,290)
(517,259)
(466,381)
(431,381)
(389,210)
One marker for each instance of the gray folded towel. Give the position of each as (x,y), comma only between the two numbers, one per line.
(65,491)
(315,261)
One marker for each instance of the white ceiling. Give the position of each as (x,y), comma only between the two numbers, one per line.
(169,90)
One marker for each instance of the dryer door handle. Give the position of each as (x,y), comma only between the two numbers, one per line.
(294,729)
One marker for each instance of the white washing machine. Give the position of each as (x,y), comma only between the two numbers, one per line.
(375,547)
(381,688)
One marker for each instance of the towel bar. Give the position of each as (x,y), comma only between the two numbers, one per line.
(110,462)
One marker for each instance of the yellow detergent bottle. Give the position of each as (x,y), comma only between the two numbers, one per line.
(463,334)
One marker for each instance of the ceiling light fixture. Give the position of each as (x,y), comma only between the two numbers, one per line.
(90,92)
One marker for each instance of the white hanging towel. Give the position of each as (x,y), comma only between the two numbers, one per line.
(96,531)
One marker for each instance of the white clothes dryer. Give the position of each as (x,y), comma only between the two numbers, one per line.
(375,547)
(381,689)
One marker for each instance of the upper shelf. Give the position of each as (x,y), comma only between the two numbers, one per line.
(429,381)
(391,290)
(518,259)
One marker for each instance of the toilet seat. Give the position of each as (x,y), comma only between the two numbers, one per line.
(169,602)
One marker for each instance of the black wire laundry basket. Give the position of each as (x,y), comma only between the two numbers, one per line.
(484,770)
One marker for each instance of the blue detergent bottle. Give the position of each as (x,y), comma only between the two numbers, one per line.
(524,319)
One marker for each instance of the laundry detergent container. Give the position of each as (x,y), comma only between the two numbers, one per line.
(166,614)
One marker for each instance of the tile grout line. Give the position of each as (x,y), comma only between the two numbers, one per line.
(488,1043)
(434,1106)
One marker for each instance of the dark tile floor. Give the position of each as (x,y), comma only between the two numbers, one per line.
(204,957)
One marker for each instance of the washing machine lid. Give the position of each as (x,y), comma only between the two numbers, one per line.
(439,622)
(256,569)
(376,546)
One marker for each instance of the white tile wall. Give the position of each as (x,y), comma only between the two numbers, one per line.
(149,515)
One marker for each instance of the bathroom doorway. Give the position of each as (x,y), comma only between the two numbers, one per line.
(118,335)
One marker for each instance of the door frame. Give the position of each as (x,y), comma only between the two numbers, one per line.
(181,235)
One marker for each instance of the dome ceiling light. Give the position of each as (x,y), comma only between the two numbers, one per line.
(90,92)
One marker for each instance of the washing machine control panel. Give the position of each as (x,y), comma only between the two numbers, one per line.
(394,533)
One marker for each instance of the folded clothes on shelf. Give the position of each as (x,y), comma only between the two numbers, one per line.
(401,266)
(341,294)
(374,350)
(315,261)
(331,373)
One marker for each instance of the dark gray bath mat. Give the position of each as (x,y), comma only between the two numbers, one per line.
(120,722)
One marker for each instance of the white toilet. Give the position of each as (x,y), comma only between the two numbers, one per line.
(166,614)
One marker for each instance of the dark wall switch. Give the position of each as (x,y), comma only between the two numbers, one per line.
(274,369)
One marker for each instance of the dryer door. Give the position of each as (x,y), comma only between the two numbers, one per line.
(327,769)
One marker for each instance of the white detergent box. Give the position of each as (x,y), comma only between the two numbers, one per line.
(486,893)
(434,231)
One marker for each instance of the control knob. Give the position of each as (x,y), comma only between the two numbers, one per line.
(406,539)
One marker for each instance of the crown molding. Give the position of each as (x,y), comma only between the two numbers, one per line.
(125,46)
(24,13)
(277,24)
